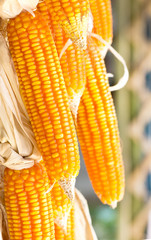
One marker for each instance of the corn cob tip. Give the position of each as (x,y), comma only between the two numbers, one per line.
(68,185)
(114,204)
(61,206)
(69,232)
(61,221)
(81,43)
(78,35)
(74,104)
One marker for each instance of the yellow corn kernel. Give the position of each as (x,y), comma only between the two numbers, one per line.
(26,226)
(70,233)
(102,21)
(73,17)
(61,205)
(98,132)
(45,95)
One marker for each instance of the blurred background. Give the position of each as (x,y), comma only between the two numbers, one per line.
(131,220)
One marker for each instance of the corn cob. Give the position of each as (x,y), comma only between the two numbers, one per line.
(61,206)
(72,16)
(43,90)
(102,20)
(98,132)
(73,68)
(70,233)
(72,61)
(28,206)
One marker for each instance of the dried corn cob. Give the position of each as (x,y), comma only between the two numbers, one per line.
(70,234)
(61,206)
(72,61)
(28,206)
(43,90)
(102,20)
(73,17)
(98,132)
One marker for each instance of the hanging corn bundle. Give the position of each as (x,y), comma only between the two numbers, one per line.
(57,64)
(27,192)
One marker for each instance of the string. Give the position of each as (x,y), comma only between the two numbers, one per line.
(123,80)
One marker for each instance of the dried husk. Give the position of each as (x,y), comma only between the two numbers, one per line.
(83,224)
(11,8)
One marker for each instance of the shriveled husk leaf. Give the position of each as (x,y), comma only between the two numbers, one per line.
(11,8)
(83,224)
(28,4)
(4,232)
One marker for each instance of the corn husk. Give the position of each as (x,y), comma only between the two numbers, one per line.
(4,232)
(124,79)
(83,224)
(11,8)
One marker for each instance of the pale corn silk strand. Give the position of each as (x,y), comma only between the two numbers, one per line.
(18,148)
(123,80)
(3,224)
(83,224)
